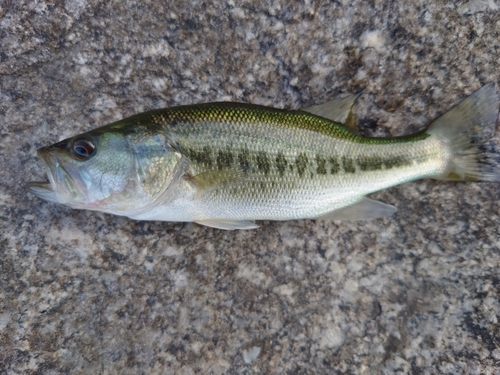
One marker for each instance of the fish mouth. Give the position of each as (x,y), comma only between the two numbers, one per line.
(61,187)
(42,190)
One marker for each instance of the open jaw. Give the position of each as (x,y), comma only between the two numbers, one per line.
(42,190)
(60,188)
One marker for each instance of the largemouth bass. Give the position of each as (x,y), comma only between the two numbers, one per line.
(225,165)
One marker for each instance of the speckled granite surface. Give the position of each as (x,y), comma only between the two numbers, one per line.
(88,293)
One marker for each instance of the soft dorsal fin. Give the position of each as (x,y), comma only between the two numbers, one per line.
(365,209)
(338,110)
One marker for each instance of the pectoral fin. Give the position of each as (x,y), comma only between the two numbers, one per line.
(228,224)
(338,110)
(213,179)
(365,209)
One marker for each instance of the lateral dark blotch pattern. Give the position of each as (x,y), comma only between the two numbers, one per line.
(243,159)
(263,162)
(334,165)
(370,163)
(201,157)
(224,159)
(281,163)
(321,164)
(301,163)
(348,165)
(397,162)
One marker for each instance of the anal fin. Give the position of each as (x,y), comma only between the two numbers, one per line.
(365,209)
(228,224)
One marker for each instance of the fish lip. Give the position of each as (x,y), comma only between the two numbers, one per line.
(42,190)
(61,182)
(50,162)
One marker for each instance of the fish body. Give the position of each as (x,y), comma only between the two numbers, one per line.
(227,164)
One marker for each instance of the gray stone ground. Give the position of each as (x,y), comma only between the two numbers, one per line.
(89,293)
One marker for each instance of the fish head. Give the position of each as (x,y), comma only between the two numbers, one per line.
(116,169)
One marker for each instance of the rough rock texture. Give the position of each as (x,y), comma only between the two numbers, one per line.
(89,293)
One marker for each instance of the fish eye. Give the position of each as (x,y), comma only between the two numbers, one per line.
(83,149)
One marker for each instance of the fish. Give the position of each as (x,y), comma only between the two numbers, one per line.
(226,165)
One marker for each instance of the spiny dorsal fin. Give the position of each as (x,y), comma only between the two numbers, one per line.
(338,110)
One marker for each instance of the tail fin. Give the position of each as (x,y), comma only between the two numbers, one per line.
(467,130)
